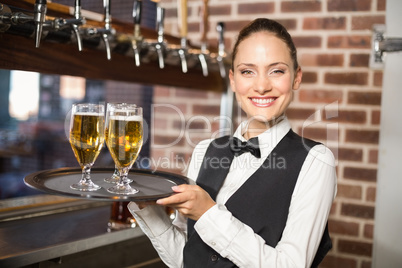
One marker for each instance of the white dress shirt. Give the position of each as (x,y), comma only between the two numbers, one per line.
(310,205)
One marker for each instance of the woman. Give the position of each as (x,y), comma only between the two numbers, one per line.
(263,206)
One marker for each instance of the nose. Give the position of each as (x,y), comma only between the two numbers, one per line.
(262,84)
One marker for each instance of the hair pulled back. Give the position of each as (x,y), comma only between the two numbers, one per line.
(271,26)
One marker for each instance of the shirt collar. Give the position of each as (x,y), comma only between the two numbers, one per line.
(269,138)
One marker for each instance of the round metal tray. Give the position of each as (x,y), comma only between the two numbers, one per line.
(152,185)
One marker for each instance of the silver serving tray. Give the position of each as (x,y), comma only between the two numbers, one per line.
(152,185)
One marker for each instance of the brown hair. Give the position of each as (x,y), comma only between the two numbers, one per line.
(263,24)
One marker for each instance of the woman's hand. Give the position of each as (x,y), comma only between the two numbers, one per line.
(190,200)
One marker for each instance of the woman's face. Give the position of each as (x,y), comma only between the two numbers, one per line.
(263,77)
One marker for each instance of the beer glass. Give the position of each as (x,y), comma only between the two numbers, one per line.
(115,178)
(86,139)
(124,137)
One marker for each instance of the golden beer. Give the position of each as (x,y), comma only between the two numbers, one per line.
(86,137)
(124,139)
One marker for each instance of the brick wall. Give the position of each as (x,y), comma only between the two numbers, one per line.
(338,103)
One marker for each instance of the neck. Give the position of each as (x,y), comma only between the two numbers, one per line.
(255,127)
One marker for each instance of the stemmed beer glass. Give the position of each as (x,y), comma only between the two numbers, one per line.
(86,139)
(124,138)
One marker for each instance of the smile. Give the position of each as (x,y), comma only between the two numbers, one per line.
(262,101)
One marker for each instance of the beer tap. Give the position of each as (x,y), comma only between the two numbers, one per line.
(160,45)
(204,31)
(60,23)
(221,49)
(182,12)
(80,21)
(108,29)
(39,19)
(137,39)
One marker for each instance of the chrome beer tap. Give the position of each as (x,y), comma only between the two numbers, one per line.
(160,44)
(80,21)
(40,9)
(60,23)
(136,42)
(108,29)
(220,27)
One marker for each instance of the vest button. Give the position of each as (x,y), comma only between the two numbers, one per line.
(214,258)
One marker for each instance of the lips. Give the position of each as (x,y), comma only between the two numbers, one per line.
(263,102)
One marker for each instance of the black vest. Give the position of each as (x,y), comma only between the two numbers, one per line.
(262,202)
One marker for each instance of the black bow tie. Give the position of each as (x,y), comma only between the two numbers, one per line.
(238,147)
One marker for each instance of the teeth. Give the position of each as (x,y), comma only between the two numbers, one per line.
(263,101)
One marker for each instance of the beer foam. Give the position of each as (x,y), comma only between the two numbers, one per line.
(126,118)
(89,114)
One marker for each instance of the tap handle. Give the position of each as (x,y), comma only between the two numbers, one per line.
(182,15)
(137,8)
(160,18)
(40,8)
(221,41)
(204,22)
(108,16)
(105,39)
(77,9)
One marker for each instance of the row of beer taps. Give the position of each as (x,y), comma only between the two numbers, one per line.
(142,49)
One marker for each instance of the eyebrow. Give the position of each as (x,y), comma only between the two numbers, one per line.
(270,65)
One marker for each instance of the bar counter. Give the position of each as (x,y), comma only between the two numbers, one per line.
(50,231)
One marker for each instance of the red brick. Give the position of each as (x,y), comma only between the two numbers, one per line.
(377,78)
(166,140)
(365,98)
(358,211)
(366,264)
(359,60)
(349,116)
(371,194)
(320,60)
(349,5)
(362,136)
(355,41)
(381,5)
(375,117)
(193,94)
(256,8)
(310,77)
(299,113)
(300,6)
(355,247)
(349,191)
(307,41)
(160,91)
(220,10)
(343,227)
(351,78)
(337,262)
(360,174)
(368,230)
(320,96)
(366,22)
(331,23)
(206,109)
(319,134)
(373,156)
(350,154)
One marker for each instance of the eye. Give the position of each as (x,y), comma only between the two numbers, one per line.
(246,72)
(277,72)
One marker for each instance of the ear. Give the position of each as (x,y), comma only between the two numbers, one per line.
(298,79)
(231,80)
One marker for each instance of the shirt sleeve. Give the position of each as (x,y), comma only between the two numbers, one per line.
(168,238)
(308,214)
